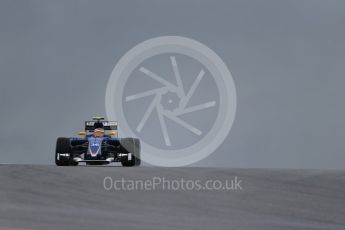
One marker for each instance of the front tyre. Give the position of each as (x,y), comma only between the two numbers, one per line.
(63,155)
(131,145)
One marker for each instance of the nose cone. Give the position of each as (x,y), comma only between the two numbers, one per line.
(95,146)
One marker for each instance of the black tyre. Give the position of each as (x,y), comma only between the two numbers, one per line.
(63,146)
(131,145)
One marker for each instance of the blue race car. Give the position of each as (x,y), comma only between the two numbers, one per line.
(99,146)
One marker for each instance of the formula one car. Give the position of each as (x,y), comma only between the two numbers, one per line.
(99,146)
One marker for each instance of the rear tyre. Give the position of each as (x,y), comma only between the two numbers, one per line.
(131,145)
(63,146)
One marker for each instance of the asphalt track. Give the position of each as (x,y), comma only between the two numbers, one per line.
(50,197)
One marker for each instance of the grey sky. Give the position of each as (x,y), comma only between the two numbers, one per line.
(286,57)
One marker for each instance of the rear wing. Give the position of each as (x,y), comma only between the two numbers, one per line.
(107,125)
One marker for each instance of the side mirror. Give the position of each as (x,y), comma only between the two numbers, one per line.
(82,133)
(114,133)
